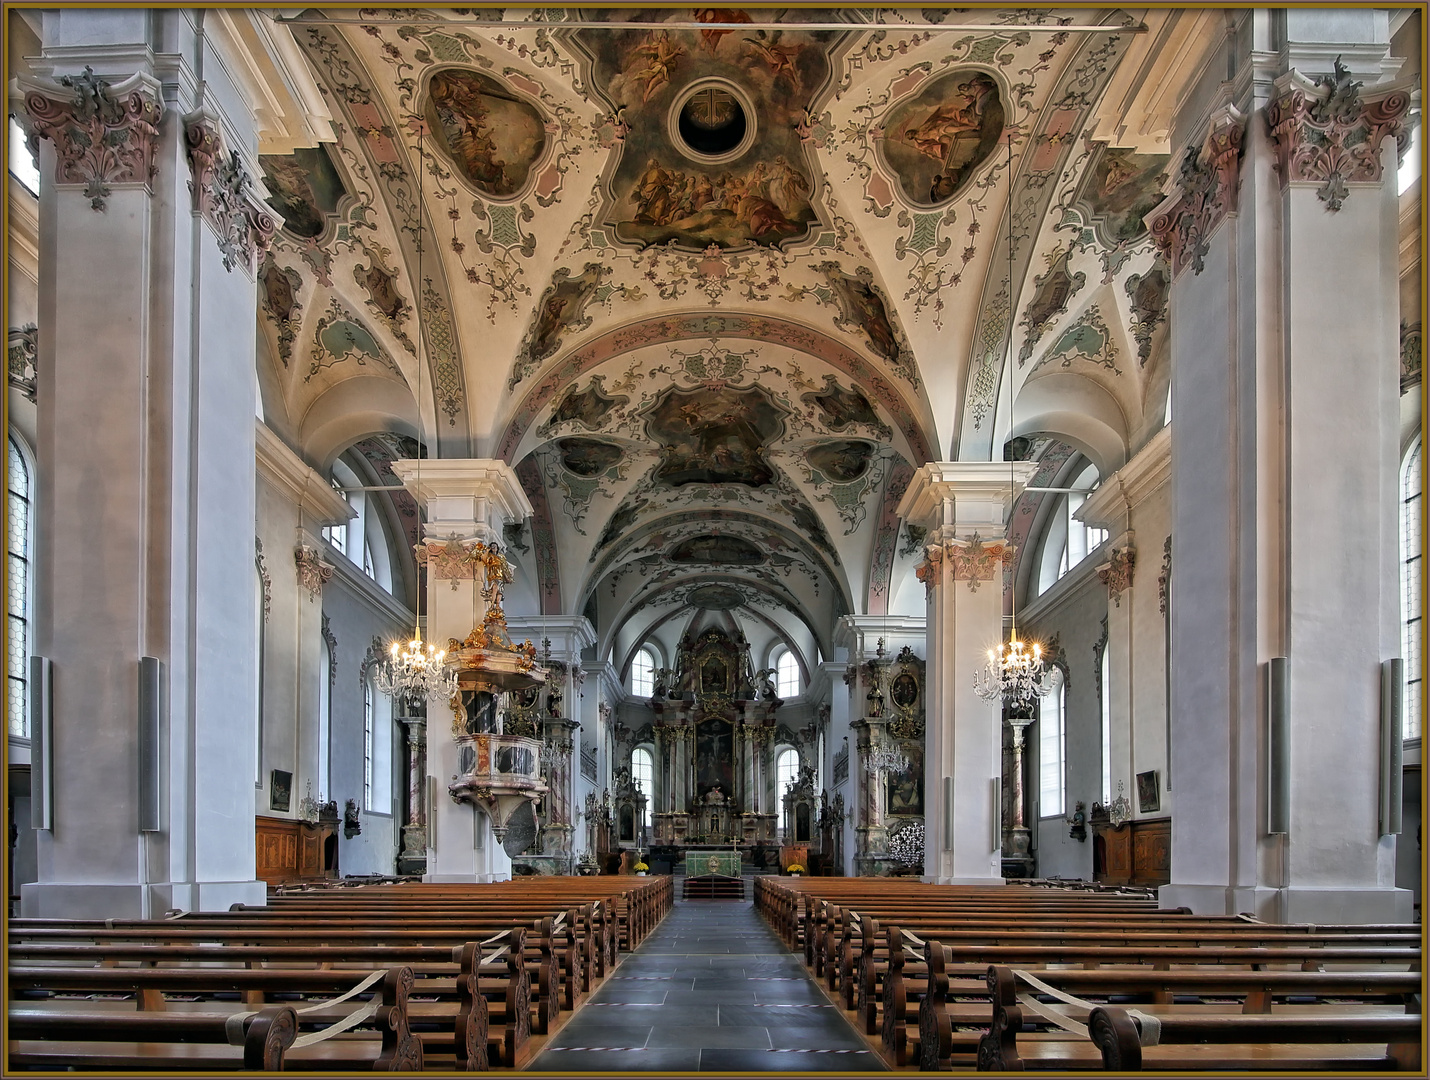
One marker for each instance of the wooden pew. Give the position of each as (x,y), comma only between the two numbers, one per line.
(393,1048)
(89,1041)
(1175,1037)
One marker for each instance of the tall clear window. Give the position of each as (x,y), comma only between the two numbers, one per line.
(369,747)
(786,771)
(787,675)
(1052,748)
(18,594)
(643,673)
(325,720)
(1106,706)
(1411,627)
(643,776)
(260,639)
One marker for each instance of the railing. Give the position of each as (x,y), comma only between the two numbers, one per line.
(494,761)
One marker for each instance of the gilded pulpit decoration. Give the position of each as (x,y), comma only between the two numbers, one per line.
(1116,573)
(103,134)
(313,572)
(24,349)
(1206,192)
(1327,132)
(223,194)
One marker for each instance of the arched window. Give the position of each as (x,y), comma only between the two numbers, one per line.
(260,644)
(643,776)
(1052,748)
(1106,707)
(325,719)
(1067,540)
(786,770)
(362,539)
(369,743)
(1411,625)
(643,673)
(376,750)
(787,675)
(18,592)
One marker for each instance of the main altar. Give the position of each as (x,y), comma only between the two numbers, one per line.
(713,733)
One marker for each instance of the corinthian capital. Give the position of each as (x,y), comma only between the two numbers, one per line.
(223,194)
(103,134)
(1326,132)
(1206,192)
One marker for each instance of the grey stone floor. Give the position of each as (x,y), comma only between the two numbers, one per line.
(711,990)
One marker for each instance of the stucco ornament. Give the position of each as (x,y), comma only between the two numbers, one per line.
(313,572)
(1327,132)
(223,194)
(103,134)
(974,560)
(1116,574)
(1206,193)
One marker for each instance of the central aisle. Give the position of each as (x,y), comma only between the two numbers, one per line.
(711,990)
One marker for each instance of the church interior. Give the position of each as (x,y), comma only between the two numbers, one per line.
(545,448)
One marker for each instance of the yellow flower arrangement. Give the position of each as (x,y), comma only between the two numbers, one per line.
(794,868)
(640,866)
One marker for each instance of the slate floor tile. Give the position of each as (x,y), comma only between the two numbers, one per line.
(710,1035)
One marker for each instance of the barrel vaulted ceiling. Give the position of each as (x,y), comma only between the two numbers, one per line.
(715,282)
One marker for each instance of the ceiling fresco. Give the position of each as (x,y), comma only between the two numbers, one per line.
(716,282)
(711,153)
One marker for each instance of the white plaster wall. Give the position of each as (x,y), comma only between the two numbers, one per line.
(1071,610)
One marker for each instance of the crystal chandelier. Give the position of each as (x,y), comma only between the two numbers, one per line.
(416,671)
(1014,672)
(883,760)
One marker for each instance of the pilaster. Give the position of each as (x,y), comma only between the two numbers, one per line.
(146,437)
(1275,348)
(964,506)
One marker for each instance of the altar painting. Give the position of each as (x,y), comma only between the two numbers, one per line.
(905,788)
(715,757)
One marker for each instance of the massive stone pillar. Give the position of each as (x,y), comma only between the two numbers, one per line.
(145,447)
(964,506)
(1282,235)
(466,502)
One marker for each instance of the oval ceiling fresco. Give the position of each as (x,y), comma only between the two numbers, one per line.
(936,141)
(491,136)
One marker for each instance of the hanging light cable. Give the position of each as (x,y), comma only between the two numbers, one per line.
(415,670)
(1014,672)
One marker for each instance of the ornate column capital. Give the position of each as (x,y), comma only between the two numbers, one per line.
(974,560)
(103,134)
(452,559)
(1116,573)
(1326,132)
(223,194)
(1205,193)
(313,572)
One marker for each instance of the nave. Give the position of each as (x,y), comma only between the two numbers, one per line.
(713,989)
(613,974)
